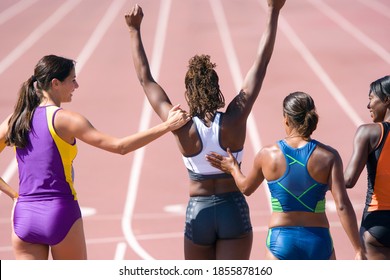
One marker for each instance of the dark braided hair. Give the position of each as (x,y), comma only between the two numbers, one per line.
(202,88)
(301,112)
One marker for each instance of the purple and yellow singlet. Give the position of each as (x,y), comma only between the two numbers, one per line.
(47,205)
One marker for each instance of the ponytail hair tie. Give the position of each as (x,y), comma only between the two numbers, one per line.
(33,78)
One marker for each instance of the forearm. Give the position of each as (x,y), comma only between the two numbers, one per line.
(5,188)
(142,138)
(254,79)
(240,181)
(155,94)
(268,39)
(140,60)
(348,220)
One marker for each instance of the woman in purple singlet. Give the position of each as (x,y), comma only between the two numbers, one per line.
(46,213)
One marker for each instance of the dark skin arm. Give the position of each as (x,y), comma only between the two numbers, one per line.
(240,107)
(156,95)
(366,139)
(246,184)
(154,92)
(344,206)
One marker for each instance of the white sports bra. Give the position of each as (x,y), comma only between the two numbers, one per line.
(197,165)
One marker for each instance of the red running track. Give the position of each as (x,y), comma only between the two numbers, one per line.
(134,205)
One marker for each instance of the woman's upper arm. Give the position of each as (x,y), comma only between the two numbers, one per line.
(158,99)
(255,176)
(70,125)
(364,142)
(336,181)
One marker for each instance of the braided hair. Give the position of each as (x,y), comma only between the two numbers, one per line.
(203,94)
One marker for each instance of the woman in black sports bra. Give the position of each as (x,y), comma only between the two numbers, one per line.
(372,148)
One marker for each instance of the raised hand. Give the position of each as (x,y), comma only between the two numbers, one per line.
(134,17)
(276,4)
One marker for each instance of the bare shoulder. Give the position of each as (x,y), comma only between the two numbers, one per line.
(270,152)
(326,152)
(68,118)
(369,131)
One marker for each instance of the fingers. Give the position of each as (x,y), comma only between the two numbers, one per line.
(229,152)
(135,11)
(214,160)
(175,108)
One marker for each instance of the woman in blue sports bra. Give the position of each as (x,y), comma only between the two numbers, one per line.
(299,172)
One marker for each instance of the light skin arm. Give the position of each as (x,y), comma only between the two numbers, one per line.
(365,140)
(72,125)
(247,184)
(344,207)
(254,78)
(154,92)
(4,187)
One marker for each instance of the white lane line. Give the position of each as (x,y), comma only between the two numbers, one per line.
(100,30)
(133,185)
(377,7)
(120,251)
(316,67)
(352,29)
(10,171)
(15,9)
(35,35)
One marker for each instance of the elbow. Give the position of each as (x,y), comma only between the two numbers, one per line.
(120,149)
(349,184)
(340,208)
(145,79)
(142,81)
(247,191)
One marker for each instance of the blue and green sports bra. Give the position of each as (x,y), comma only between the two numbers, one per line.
(296,190)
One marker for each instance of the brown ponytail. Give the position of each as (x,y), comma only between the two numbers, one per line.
(300,109)
(30,96)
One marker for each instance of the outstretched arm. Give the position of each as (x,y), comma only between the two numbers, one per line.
(70,125)
(154,92)
(254,78)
